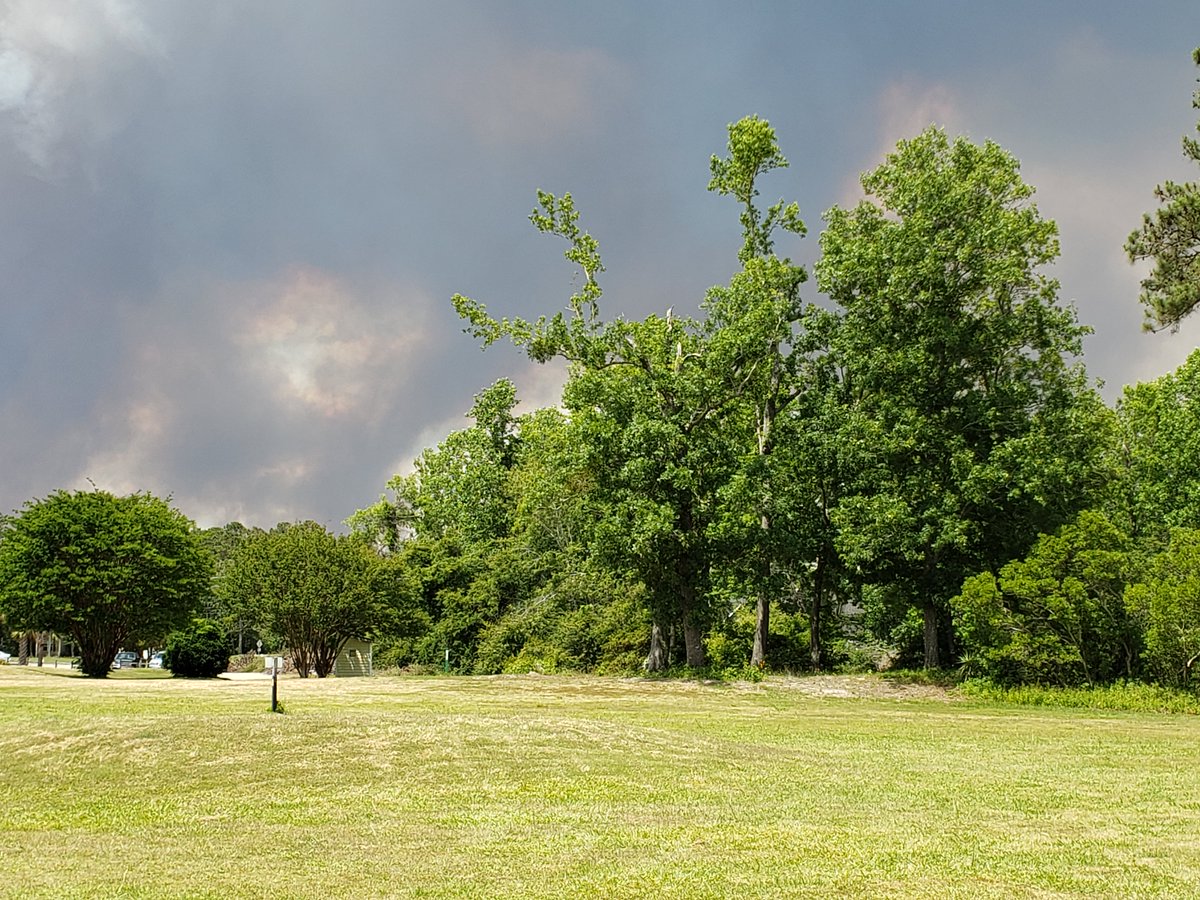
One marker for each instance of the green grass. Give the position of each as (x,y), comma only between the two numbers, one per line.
(1120,696)
(554,787)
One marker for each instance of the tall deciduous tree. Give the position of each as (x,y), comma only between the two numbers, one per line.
(313,589)
(645,395)
(659,395)
(107,570)
(958,360)
(1170,238)
(765,347)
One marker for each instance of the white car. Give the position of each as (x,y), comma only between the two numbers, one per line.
(4,657)
(156,661)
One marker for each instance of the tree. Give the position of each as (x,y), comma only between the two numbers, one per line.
(107,570)
(1157,470)
(765,347)
(639,391)
(222,543)
(1171,239)
(659,395)
(1056,616)
(312,589)
(461,485)
(959,375)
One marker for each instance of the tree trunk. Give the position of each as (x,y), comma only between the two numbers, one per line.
(932,656)
(693,643)
(23,649)
(814,632)
(816,607)
(656,659)
(762,627)
(325,653)
(96,659)
(762,612)
(688,569)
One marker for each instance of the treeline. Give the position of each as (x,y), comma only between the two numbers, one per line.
(918,474)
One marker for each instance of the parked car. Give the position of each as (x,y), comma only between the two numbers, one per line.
(156,660)
(126,659)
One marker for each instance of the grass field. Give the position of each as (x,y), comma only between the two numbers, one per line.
(549,787)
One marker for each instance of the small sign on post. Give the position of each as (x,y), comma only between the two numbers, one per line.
(274,663)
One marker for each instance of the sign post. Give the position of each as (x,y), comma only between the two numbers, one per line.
(275,663)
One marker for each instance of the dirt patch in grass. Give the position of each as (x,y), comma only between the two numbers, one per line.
(865,687)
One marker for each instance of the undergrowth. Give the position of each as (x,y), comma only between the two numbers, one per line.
(1125,695)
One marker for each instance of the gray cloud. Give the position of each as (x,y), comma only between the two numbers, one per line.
(230,231)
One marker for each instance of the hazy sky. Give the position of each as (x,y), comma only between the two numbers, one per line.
(229,231)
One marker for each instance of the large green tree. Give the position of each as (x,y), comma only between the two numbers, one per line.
(313,589)
(1170,239)
(957,357)
(109,571)
(222,543)
(1167,604)
(648,411)
(672,406)
(764,347)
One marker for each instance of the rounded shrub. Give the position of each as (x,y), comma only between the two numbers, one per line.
(199,651)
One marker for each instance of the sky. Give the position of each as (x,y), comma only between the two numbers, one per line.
(230,231)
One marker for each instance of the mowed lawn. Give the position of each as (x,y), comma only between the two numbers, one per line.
(556,787)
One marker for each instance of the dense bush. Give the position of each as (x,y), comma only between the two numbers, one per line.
(199,651)
(1168,607)
(1058,616)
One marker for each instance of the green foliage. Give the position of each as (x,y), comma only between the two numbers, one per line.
(461,486)
(578,622)
(109,571)
(731,642)
(222,544)
(314,590)
(788,462)
(201,650)
(1121,695)
(1171,239)
(1156,477)
(753,151)
(643,411)
(664,407)
(956,358)
(1058,615)
(1167,604)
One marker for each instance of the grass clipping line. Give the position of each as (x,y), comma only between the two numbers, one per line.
(586,787)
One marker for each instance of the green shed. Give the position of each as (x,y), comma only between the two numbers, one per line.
(355,659)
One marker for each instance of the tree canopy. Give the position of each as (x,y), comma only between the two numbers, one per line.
(1170,239)
(916,470)
(312,589)
(958,360)
(109,571)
